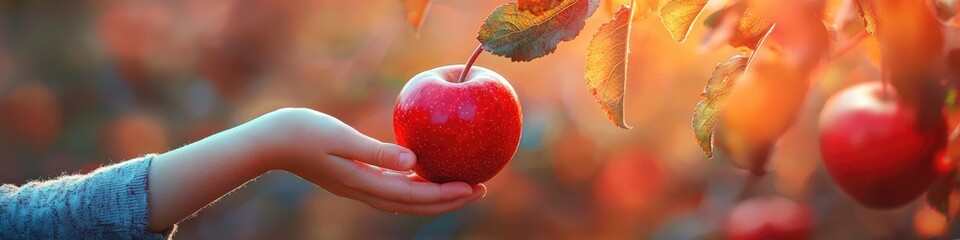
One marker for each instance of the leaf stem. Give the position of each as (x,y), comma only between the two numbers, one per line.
(473,58)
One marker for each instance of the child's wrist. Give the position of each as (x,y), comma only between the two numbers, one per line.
(259,144)
(273,145)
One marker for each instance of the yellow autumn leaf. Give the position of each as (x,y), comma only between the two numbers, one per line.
(607,65)
(678,16)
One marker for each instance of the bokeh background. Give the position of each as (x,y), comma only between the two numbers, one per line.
(90,82)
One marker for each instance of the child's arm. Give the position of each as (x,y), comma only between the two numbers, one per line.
(312,145)
(108,203)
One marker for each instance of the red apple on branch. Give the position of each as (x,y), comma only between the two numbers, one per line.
(874,148)
(462,127)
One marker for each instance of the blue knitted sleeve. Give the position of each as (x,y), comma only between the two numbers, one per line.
(109,203)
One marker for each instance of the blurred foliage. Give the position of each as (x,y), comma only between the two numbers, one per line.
(89,82)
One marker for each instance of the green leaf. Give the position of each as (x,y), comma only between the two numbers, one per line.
(524,36)
(607,64)
(715,94)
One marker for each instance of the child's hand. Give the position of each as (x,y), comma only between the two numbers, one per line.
(312,145)
(322,149)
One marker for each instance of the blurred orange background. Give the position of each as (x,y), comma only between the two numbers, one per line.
(88,83)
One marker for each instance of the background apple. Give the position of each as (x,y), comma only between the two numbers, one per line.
(768,218)
(874,148)
(460,131)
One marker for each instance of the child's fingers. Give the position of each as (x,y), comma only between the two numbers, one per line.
(397,186)
(478,192)
(431,208)
(355,145)
(416,178)
(403,189)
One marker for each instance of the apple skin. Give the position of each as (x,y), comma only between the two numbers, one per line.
(460,132)
(768,218)
(874,149)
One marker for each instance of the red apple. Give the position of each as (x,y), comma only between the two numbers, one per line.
(768,218)
(874,148)
(460,131)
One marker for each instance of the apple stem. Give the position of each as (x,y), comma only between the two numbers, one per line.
(473,58)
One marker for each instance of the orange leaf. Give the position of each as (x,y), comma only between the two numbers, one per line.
(416,12)
(607,65)
(715,94)
(752,27)
(678,16)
